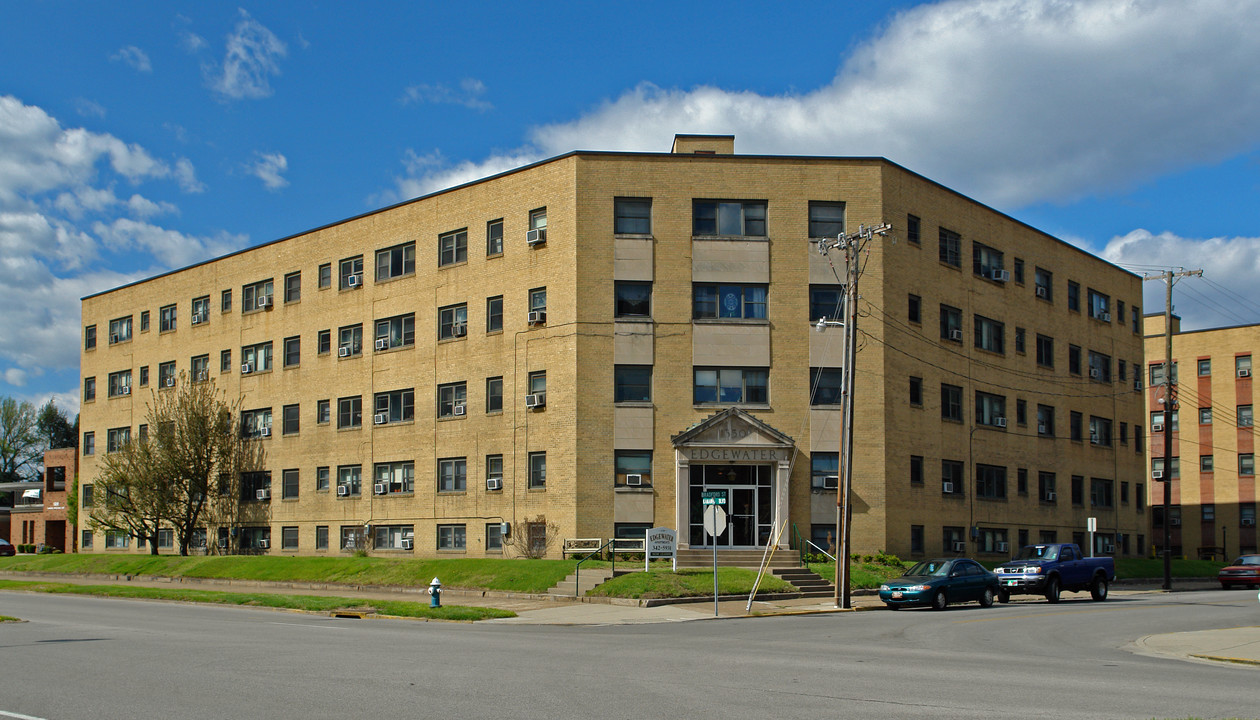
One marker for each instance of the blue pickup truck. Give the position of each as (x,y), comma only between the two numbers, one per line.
(1050,569)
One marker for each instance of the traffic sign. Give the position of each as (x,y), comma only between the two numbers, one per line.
(713,497)
(714,520)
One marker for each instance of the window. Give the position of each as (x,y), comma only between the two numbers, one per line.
(728,301)
(396,406)
(1124,493)
(1075,426)
(256,423)
(494,537)
(731,385)
(393,537)
(1099,431)
(89,443)
(323,342)
(950,248)
(1242,367)
(912,229)
(1021,345)
(225,305)
(1121,371)
(494,394)
(494,468)
(987,262)
(89,389)
(289,538)
(1139,497)
(916,469)
(292,351)
(257,357)
(1078,490)
(993,538)
(1045,351)
(449,397)
(116,439)
(1021,412)
(632,383)
(990,482)
(350,412)
(451,537)
(452,475)
(256,295)
(396,477)
(1246,464)
(1099,305)
(321,478)
(352,537)
(1120,312)
(1205,416)
(1018,271)
(494,237)
(1205,368)
(951,402)
(166,375)
(87,496)
(1101,493)
(1074,296)
(637,463)
(350,477)
(120,383)
(350,273)
(395,261)
(633,299)
(143,432)
(289,487)
(1157,465)
(201,310)
(632,216)
(537,470)
(86,542)
(538,223)
(538,301)
(166,318)
(350,340)
(916,391)
(396,332)
(116,539)
(826,219)
(144,376)
(1045,487)
(826,386)
(293,287)
(1207,512)
(1205,463)
(120,330)
(990,409)
(1245,418)
(1099,367)
(289,423)
(1137,320)
(325,276)
(990,335)
(452,322)
(951,323)
(1074,360)
(494,314)
(951,477)
(1124,433)
(729,218)
(914,309)
(199,368)
(1157,374)
(322,412)
(453,248)
(824,470)
(826,302)
(89,337)
(538,383)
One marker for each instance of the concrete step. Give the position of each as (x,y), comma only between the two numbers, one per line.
(590,578)
(703,557)
(808,582)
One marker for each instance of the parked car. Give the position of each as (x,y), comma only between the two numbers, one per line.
(1051,568)
(937,583)
(1245,571)
(7,549)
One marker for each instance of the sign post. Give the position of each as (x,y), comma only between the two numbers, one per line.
(661,543)
(1091,524)
(714,525)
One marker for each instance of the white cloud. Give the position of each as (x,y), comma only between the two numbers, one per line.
(87,108)
(170,247)
(1224,295)
(250,60)
(269,168)
(186,176)
(1010,101)
(15,377)
(469,95)
(135,57)
(192,42)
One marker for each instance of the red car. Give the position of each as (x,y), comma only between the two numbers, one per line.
(7,549)
(1245,572)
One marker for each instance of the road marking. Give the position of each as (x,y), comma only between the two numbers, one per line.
(19,716)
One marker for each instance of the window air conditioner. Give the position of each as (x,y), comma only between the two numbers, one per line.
(1157,474)
(380,418)
(1244,373)
(407,543)
(125,389)
(247,369)
(831,482)
(170,382)
(959,546)
(1050,497)
(264,301)
(265,432)
(343,490)
(634,479)
(380,488)
(1095,440)
(1157,427)
(459,330)
(1104,316)
(1248,522)
(1109,548)
(947,487)
(1095,374)
(1175,522)
(999,422)
(263,494)
(343,351)
(113,339)
(536,237)
(223,542)
(536,400)
(1003,547)
(196,319)
(1042,429)
(458,409)
(955,335)
(382,344)
(1137,383)
(264,543)
(494,483)
(1001,275)
(352,281)
(1041,292)
(536,317)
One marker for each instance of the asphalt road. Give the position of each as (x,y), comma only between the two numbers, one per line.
(100,658)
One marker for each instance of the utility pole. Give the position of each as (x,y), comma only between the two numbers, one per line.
(1169,277)
(853,245)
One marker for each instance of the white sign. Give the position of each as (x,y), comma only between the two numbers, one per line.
(661,543)
(1091,524)
(714,520)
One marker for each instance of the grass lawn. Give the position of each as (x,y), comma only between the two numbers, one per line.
(310,603)
(1154,568)
(862,575)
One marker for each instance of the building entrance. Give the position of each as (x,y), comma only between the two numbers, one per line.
(749,504)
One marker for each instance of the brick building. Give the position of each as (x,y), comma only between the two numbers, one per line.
(39,512)
(599,337)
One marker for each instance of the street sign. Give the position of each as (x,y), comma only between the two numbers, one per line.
(1091,524)
(714,520)
(713,497)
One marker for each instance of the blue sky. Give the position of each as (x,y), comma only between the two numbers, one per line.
(139,137)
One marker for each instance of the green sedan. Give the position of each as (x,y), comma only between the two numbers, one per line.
(937,583)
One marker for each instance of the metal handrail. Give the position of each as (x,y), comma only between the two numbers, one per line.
(577,569)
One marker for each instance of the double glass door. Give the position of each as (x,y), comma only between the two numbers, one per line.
(749,504)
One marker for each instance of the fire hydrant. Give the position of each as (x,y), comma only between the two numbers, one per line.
(435,593)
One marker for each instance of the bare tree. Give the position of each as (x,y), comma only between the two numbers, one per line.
(534,537)
(21,448)
(131,492)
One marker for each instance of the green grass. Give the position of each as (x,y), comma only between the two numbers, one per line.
(862,575)
(524,576)
(688,583)
(310,603)
(6,618)
(1154,568)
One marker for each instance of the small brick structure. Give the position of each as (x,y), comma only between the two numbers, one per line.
(45,522)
